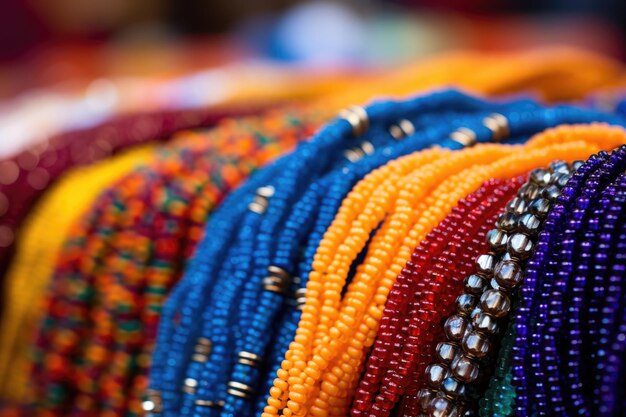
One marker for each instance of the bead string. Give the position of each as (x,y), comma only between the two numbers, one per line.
(326,352)
(389,361)
(473,329)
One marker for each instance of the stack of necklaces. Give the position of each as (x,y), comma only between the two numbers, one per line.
(132,245)
(123,257)
(462,352)
(245,286)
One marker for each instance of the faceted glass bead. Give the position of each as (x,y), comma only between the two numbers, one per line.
(476,344)
(446,351)
(453,387)
(540,207)
(443,407)
(474,284)
(495,302)
(530,224)
(517,206)
(455,327)
(497,240)
(508,274)
(485,263)
(520,246)
(529,191)
(506,221)
(436,373)
(464,368)
(540,177)
(465,303)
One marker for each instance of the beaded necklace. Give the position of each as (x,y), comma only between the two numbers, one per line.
(596,172)
(320,360)
(420,104)
(599,233)
(449,248)
(470,332)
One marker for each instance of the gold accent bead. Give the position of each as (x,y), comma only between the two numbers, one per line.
(358,119)
(403,129)
(249,359)
(240,390)
(499,126)
(464,136)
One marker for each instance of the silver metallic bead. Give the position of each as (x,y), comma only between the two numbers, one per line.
(540,177)
(485,264)
(484,322)
(474,284)
(576,165)
(520,246)
(540,207)
(153,403)
(446,351)
(517,206)
(436,373)
(453,387)
(495,302)
(529,191)
(443,407)
(278,280)
(476,344)
(424,397)
(507,221)
(249,359)
(508,274)
(551,193)
(497,240)
(455,327)
(499,126)
(559,167)
(464,368)
(210,404)
(465,303)
(529,224)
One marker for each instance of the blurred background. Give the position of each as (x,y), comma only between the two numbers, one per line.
(91,59)
(44,42)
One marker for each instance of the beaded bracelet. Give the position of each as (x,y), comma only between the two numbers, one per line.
(451,246)
(277,395)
